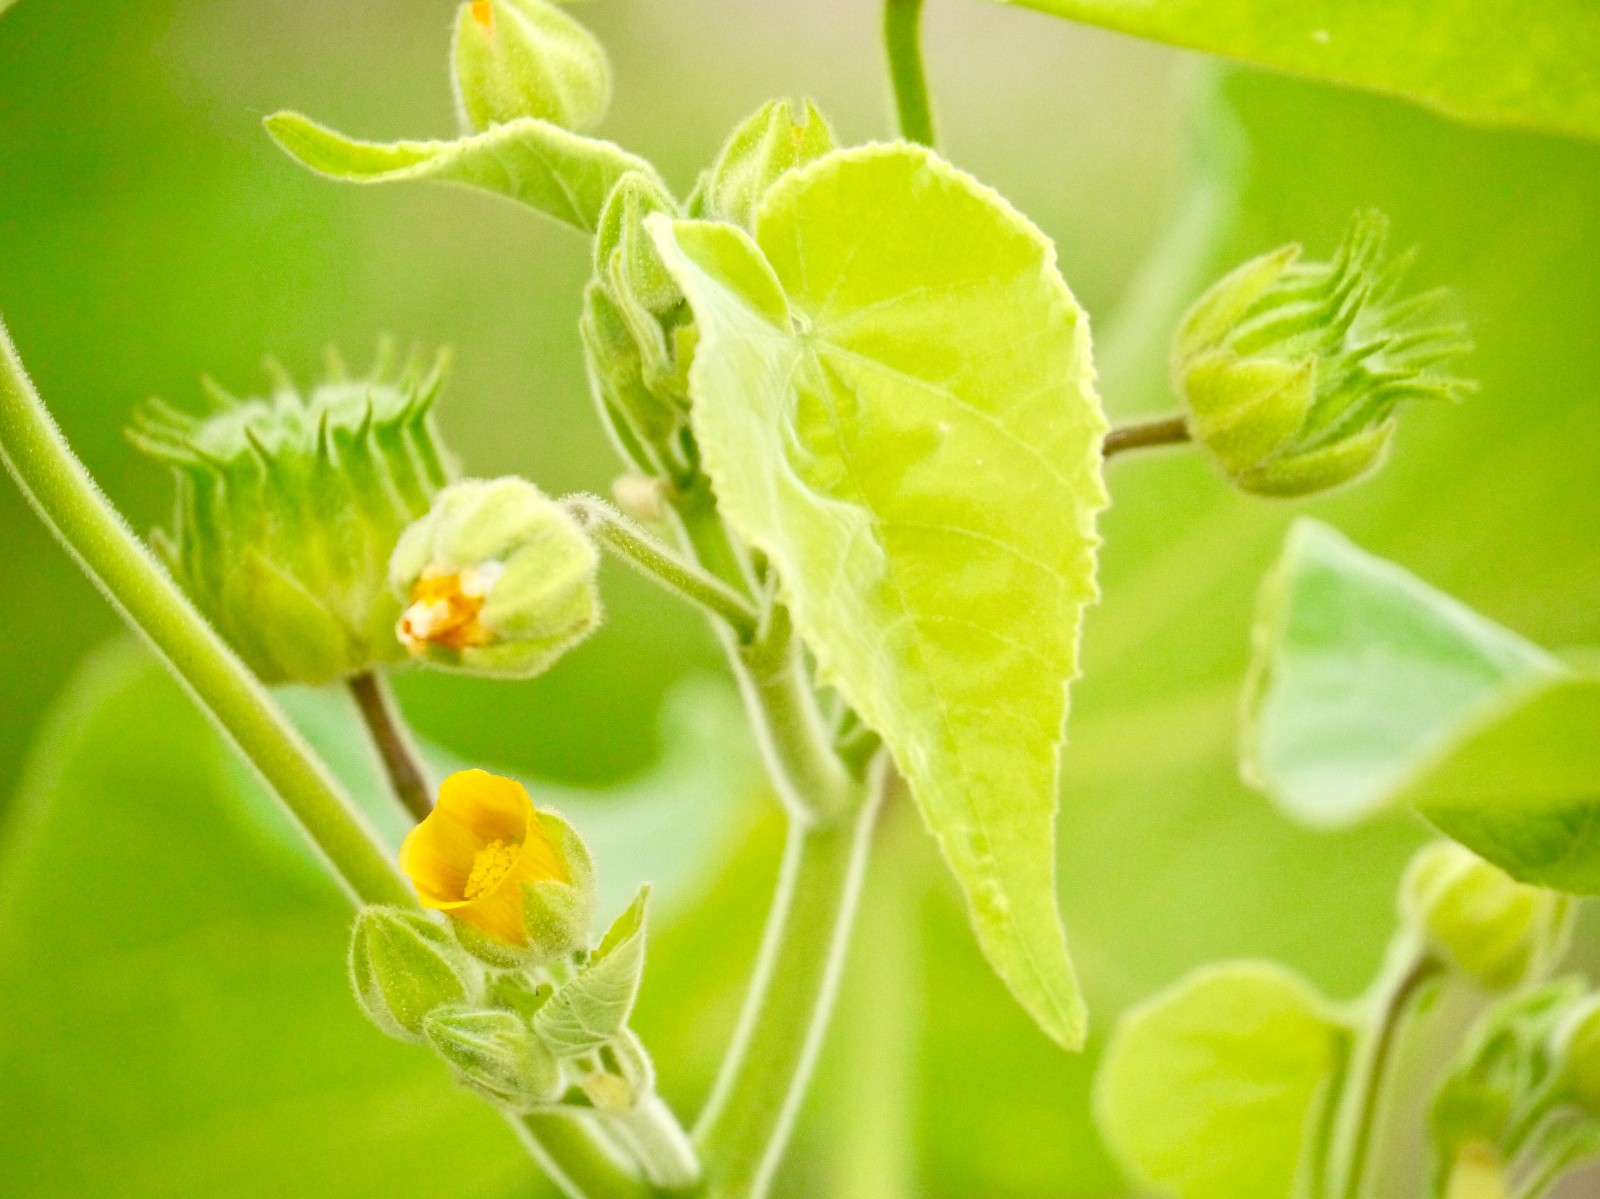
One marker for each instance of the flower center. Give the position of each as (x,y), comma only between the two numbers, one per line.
(444,610)
(490,867)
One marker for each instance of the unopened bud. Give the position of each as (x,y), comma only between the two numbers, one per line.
(763,149)
(288,508)
(493,1052)
(1486,924)
(527,58)
(1292,371)
(403,966)
(497,579)
(625,256)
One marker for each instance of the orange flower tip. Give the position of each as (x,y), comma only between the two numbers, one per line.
(483,13)
(445,608)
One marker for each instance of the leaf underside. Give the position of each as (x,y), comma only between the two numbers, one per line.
(561,174)
(894,399)
(1362,671)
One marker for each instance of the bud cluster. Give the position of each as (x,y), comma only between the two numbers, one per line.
(1292,371)
(508,988)
(289,506)
(637,330)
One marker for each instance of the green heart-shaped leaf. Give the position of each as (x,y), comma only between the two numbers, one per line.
(894,399)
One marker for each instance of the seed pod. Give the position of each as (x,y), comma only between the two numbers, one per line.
(1292,371)
(288,509)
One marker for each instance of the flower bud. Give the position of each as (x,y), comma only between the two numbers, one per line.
(288,509)
(625,256)
(1292,371)
(1486,924)
(403,966)
(518,883)
(768,145)
(527,58)
(494,1053)
(639,378)
(497,579)
(1577,1047)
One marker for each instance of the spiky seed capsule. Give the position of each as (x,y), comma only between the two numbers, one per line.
(289,507)
(1292,370)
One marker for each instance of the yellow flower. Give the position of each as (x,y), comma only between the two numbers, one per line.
(479,846)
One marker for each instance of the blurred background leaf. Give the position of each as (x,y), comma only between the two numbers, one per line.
(1453,55)
(149,232)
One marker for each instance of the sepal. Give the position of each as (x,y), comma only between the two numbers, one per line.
(592,1009)
(404,966)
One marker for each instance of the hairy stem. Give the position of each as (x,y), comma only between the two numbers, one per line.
(658,1142)
(65,497)
(902,21)
(661,565)
(576,1160)
(1144,435)
(392,740)
(745,1127)
(1407,971)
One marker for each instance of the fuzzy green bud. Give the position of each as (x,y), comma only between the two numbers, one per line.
(767,146)
(403,966)
(497,579)
(638,376)
(625,256)
(288,509)
(1292,371)
(527,58)
(493,1052)
(1492,928)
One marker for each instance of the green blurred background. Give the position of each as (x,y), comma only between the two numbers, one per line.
(177,1024)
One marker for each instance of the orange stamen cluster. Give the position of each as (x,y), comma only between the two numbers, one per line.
(445,610)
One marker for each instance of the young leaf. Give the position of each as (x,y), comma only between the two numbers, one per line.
(1208,1089)
(1520,786)
(1449,54)
(594,1007)
(894,399)
(1361,671)
(561,174)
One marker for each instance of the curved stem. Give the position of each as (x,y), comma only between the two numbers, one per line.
(1143,435)
(61,491)
(391,739)
(745,1127)
(1409,968)
(902,20)
(658,1142)
(659,564)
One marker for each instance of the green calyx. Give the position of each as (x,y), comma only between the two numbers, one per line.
(494,1052)
(766,146)
(288,508)
(1495,930)
(527,58)
(1292,371)
(495,579)
(404,966)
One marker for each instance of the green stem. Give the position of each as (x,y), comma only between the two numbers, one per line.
(658,563)
(658,1142)
(65,497)
(576,1160)
(392,741)
(1408,969)
(1143,435)
(745,1127)
(902,40)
